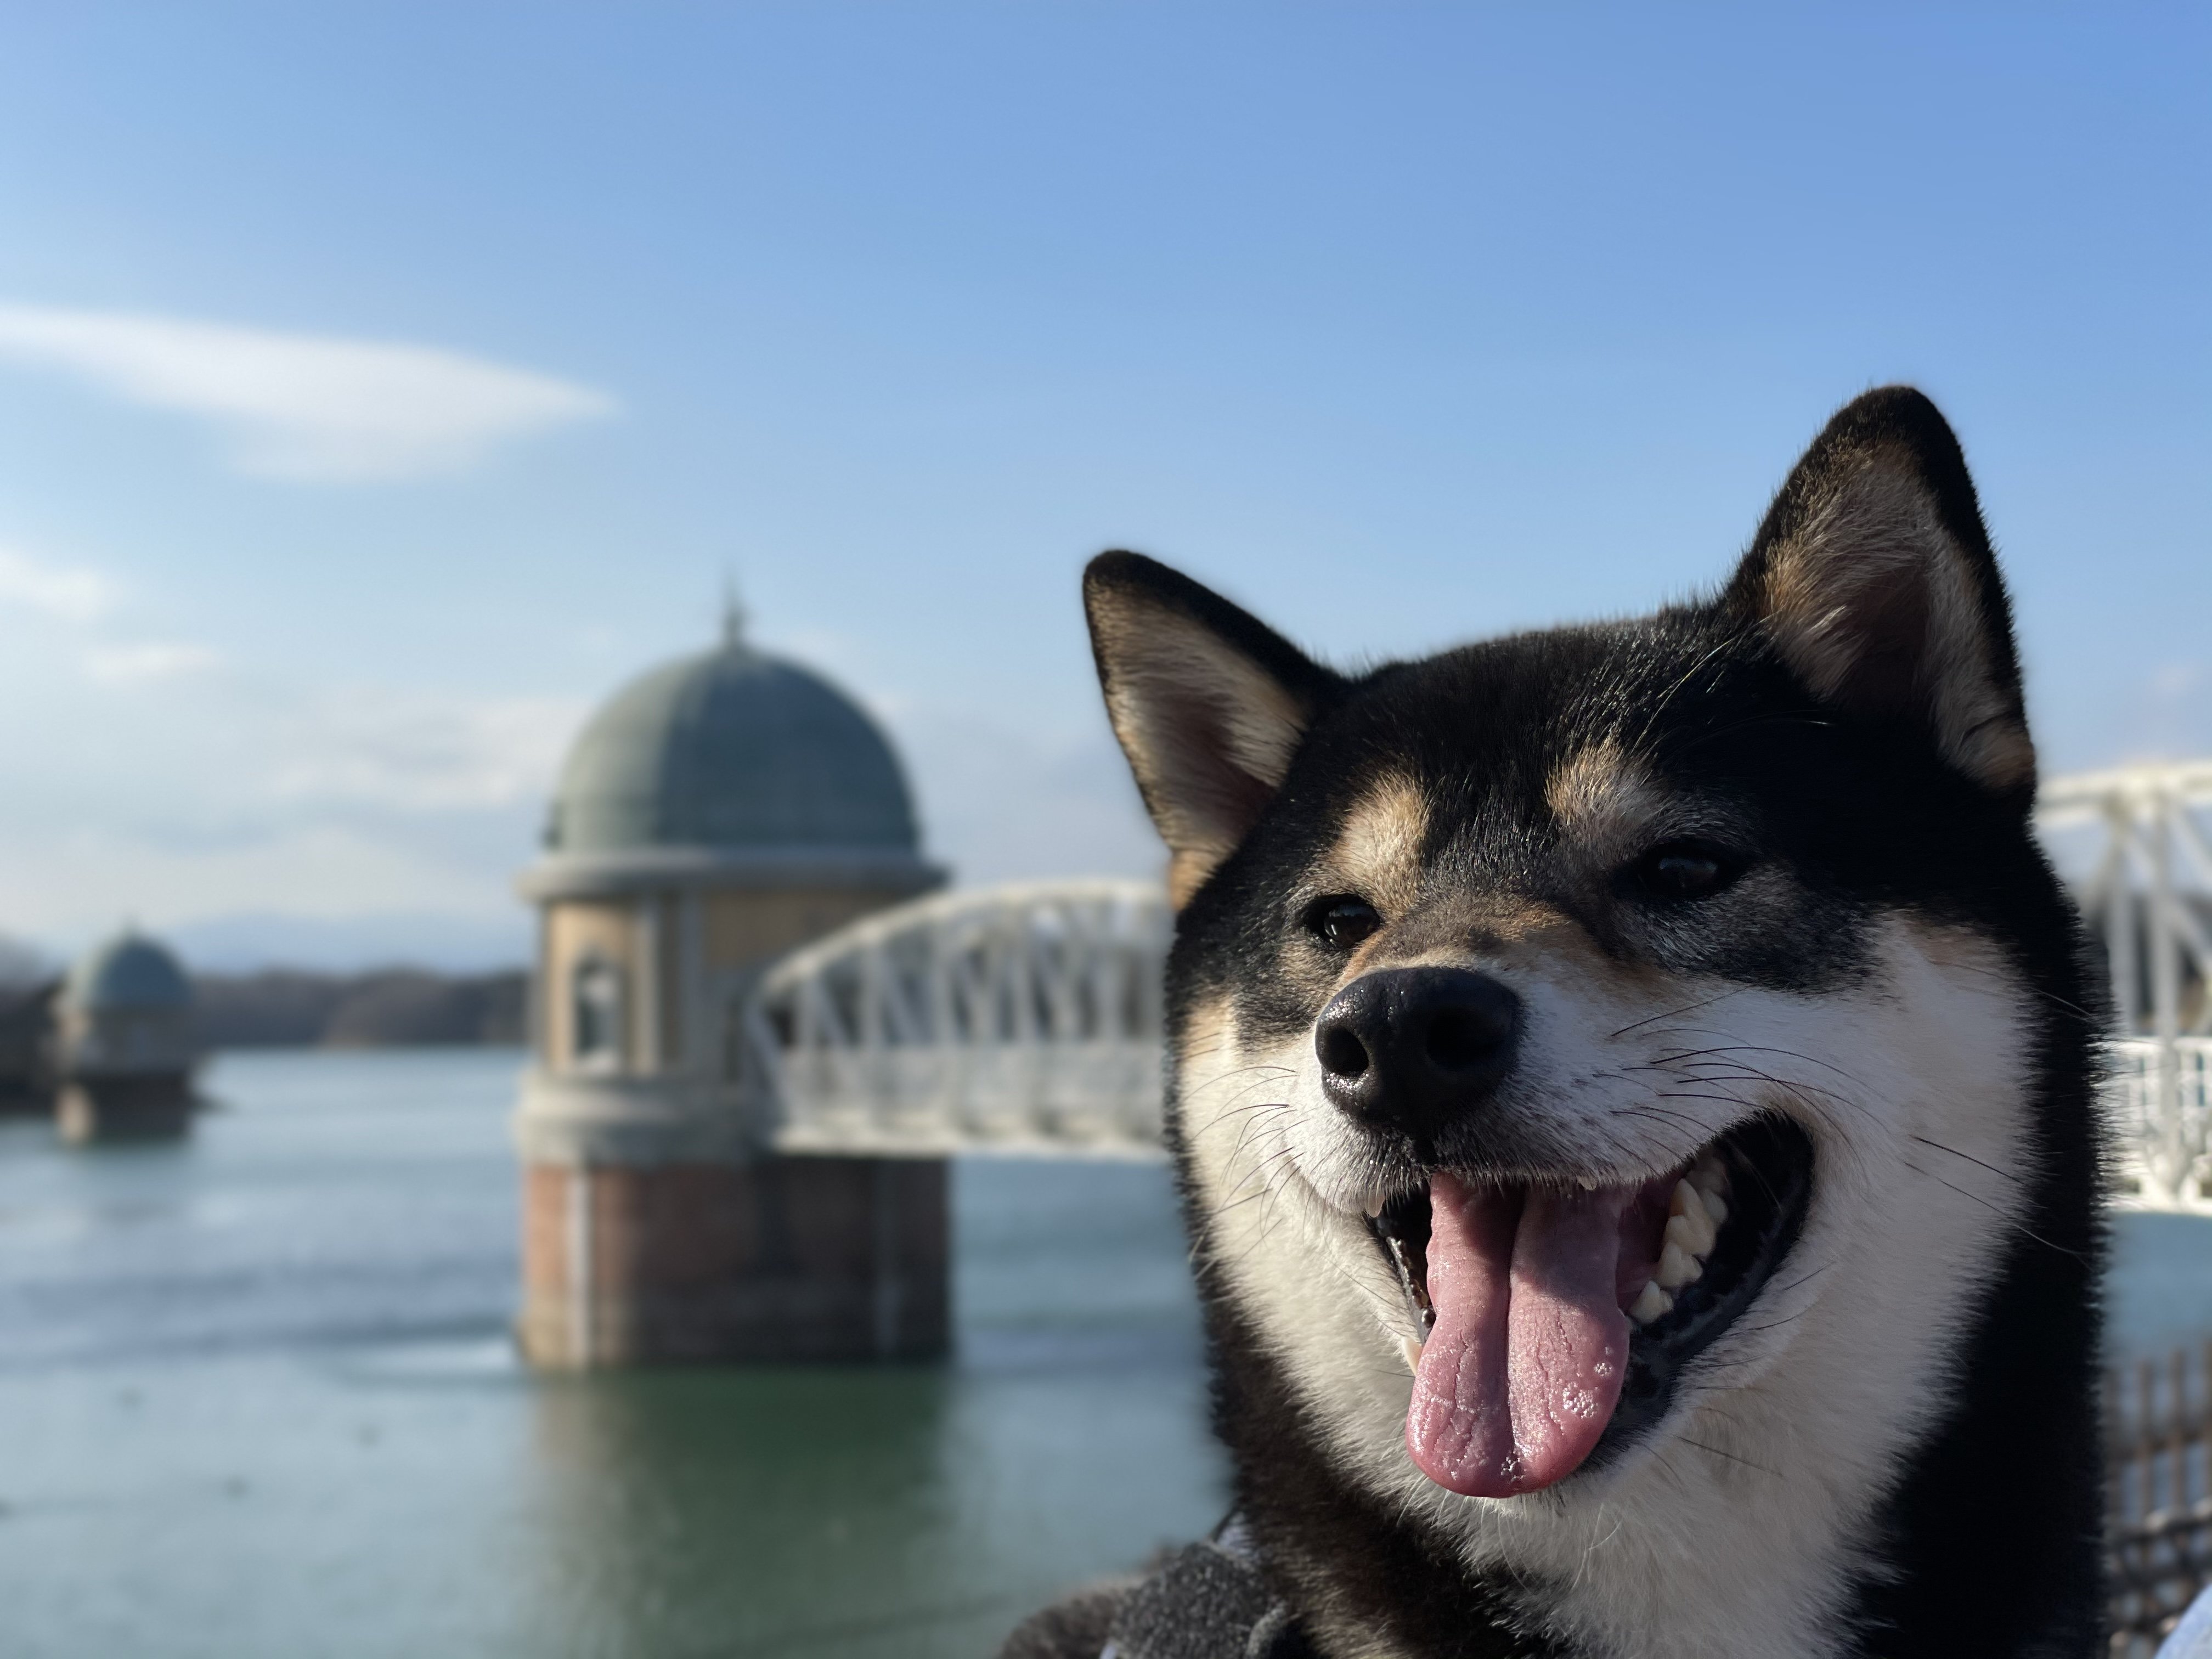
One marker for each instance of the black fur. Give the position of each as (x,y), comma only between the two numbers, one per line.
(1988,1544)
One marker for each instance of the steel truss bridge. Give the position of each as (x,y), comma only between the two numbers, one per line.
(2147,896)
(1026,1018)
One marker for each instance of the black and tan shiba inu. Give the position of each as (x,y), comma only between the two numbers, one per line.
(1632,1090)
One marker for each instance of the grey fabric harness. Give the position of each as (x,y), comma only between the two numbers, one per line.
(1210,1601)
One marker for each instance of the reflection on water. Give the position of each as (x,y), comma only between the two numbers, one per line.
(797,1513)
(260,1401)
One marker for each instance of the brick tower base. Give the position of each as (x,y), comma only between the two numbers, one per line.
(778,1259)
(152,1106)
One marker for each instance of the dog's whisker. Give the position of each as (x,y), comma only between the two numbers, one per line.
(1688,1007)
(1732,1457)
(2002,1174)
(2016,1224)
(1767,1048)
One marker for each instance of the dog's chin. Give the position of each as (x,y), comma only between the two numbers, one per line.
(1558,1310)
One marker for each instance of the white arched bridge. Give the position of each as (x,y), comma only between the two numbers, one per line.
(1026,1018)
(1022,1019)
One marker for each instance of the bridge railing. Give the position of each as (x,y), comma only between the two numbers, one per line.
(2158,1513)
(2144,896)
(2162,1119)
(1024,1019)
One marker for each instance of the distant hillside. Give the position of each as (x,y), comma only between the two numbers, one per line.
(399,1007)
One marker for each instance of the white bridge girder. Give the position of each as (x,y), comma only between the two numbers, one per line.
(1026,1018)
(2146,898)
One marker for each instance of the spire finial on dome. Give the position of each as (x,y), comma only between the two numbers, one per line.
(733,613)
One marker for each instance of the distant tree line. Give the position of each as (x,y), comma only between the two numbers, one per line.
(398,1007)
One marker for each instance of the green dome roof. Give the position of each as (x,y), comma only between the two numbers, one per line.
(736,749)
(129,971)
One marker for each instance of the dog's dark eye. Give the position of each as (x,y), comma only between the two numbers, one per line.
(1676,870)
(1342,922)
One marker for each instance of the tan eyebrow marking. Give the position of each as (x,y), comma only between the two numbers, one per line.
(1377,854)
(1603,798)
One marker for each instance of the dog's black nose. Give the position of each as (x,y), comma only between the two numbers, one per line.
(1413,1047)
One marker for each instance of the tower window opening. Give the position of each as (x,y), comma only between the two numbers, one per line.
(596,1000)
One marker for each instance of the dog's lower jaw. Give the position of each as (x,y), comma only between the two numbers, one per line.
(1612,1562)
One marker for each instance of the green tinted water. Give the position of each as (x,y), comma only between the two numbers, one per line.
(258,1400)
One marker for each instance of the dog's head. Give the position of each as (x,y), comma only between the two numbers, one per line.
(1573,1030)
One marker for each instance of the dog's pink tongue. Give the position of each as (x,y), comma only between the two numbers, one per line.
(1523,1369)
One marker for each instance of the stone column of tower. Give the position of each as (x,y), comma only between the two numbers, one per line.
(718,811)
(125,1047)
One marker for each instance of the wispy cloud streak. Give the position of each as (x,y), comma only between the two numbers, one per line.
(147,663)
(305,407)
(70,592)
(421,752)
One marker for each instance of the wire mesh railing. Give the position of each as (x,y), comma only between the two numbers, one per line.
(2158,1465)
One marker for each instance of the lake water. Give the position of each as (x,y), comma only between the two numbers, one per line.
(258,1400)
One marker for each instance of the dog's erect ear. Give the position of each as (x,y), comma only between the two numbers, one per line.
(1872,576)
(1209,704)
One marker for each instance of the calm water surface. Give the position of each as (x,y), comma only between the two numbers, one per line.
(257,1401)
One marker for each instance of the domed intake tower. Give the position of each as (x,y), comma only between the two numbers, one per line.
(737,752)
(124,1045)
(715,813)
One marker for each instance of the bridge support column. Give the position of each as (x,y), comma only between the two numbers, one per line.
(645,1239)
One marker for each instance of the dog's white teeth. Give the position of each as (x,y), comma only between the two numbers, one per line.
(1677,1267)
(1688,1226)
(1413,1354)
(1694,1227)
(1650,1304)
(1588,1184)
(1708,1179)
(1373,1204)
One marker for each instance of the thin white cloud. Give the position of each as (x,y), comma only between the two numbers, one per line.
(147,663)
(305,407)
(71,593)
(417,752)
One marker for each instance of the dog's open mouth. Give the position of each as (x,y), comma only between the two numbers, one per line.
(1558,1316)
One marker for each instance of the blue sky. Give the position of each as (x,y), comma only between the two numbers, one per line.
(380,386)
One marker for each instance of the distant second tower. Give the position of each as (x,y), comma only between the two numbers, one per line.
(124,1043)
